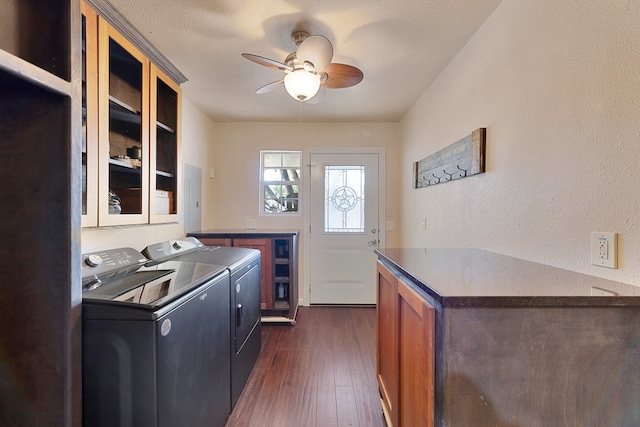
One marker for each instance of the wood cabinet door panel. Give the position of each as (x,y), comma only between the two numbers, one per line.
(416,326)
(123,122)
(265,246)
(387,342)
(164,147)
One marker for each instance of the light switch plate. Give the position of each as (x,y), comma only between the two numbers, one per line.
(604,249)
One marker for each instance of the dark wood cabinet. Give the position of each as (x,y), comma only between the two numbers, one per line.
(484,339)
(387,343)
(89,116)
(40,129)
(279,269)
(405,352)
(416,330)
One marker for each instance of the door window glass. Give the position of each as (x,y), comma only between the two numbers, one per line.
(344,199)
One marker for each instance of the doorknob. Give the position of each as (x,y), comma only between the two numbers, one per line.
(373,242)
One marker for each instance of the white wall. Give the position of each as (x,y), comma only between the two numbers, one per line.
(557,85)
(198,143)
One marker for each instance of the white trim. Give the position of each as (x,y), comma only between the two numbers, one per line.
(306,215)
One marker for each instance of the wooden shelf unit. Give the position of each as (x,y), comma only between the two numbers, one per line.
(132,125)
(40,124)
(279,274)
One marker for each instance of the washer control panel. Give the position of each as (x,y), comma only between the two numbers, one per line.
(110,263)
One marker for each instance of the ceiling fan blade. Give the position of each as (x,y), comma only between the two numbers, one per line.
(342,75)
(317,50)
(269,87)
(270,63)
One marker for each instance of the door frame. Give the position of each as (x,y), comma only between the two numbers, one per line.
(306,200)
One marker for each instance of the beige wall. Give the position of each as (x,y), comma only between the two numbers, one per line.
(198,142)
(556,84)
(238,165)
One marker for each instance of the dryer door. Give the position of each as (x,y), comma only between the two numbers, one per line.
(247,302)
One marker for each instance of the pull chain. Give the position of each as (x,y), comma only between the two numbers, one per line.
(300,112)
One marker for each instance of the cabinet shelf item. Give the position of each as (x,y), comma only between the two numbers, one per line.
(281,305)
(118,106)
(122,165)
(164,127)
(27,71)
(165,174)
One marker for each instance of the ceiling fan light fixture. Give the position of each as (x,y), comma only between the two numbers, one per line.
(317,50)
(302,85)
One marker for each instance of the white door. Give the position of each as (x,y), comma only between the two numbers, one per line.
(344,228)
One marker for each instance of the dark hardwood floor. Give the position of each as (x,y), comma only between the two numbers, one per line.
(321,372)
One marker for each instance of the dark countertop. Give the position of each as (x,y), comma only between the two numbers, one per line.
(230,233)
(476,277)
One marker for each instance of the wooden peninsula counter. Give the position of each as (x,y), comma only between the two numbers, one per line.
(470,338)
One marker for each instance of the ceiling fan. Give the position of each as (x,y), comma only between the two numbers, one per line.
(308,70)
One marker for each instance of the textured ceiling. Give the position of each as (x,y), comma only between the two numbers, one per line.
(401,47)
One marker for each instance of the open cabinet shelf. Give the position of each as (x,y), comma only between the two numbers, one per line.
(40,122)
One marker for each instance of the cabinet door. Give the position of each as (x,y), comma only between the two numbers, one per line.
(89,116)
(387,343)
(123,100)
(265,246)
(164,147)
(416,326)
(215,241)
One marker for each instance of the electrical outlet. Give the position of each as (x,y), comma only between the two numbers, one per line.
(251,224)
(424,223)
(390,225)
(604,249)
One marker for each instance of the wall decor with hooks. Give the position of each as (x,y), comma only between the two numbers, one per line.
(461,159)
